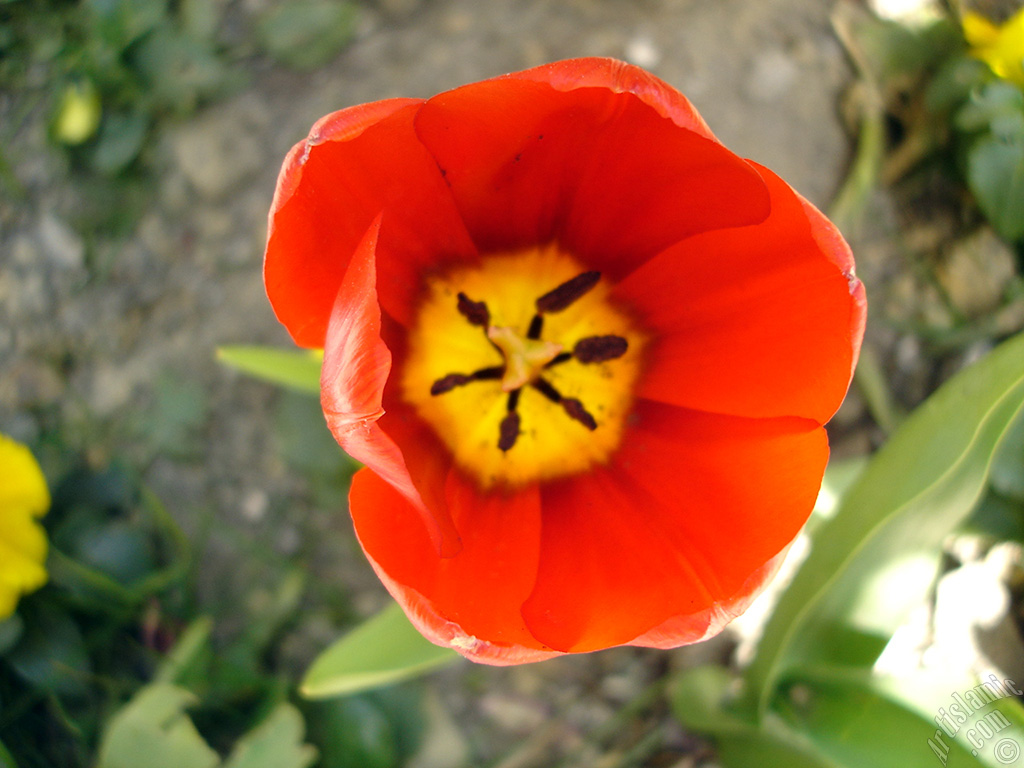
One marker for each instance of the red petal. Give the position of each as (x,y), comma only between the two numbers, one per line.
(607,571)
(756,321)
(740,489)
(830,241)
(342,125)
(683,630)
(601,171)
(355,371)
(469,602)
(620,77)
(355,164)
(673,539)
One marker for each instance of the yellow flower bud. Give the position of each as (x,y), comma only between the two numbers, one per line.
(78,115)
(23,498)
(1001,47)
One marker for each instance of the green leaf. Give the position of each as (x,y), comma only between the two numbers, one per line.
(855,720)
(113,545)
(381,651)
(1012,710)
(283,605)
(895,50)
(51,654)
(90,588)
(959,702)
(122,135)
(153,731)
(274,743)
(307,33)
(355,732)
(121,22)
(10,632)
(188,654)
(6,758)
(700,697)
(877,558)
(953,83)
(241,666)
(998,107)
(111,489)
(1008,466)
(839,476)
(700,700)
(179,71)
(769,749)
(292,369)
(997,517)
(847,718)
(121,549)
(995,174)
(405,708)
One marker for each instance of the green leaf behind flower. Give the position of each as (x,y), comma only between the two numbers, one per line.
(878,557)
(701,699)
(154,731)
(292,369)
(995,174)
(381,651)
(855,719)
(274,743)
(6,758)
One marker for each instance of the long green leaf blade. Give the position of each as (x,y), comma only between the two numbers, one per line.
(858,720)
(292,368)
(878,556)
(381,651)
(848,718)
(700,699)
(6,758)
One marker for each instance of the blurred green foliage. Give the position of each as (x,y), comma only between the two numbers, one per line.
(110,73)
(306,33)
(992,122)
(113,67)
(108,666)
(117,565)
(947,106)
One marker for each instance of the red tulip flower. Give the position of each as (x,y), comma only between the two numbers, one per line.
(585,352)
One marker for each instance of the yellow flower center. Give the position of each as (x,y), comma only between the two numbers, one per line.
(523,366)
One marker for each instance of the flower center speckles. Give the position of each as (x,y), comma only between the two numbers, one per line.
(527,357)
(522,387)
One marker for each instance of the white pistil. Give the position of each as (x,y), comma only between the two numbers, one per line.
(524,358)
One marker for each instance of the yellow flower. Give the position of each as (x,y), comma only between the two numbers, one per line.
(23,498)
(1001,47)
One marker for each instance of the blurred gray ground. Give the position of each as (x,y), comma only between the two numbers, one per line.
(103,341)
